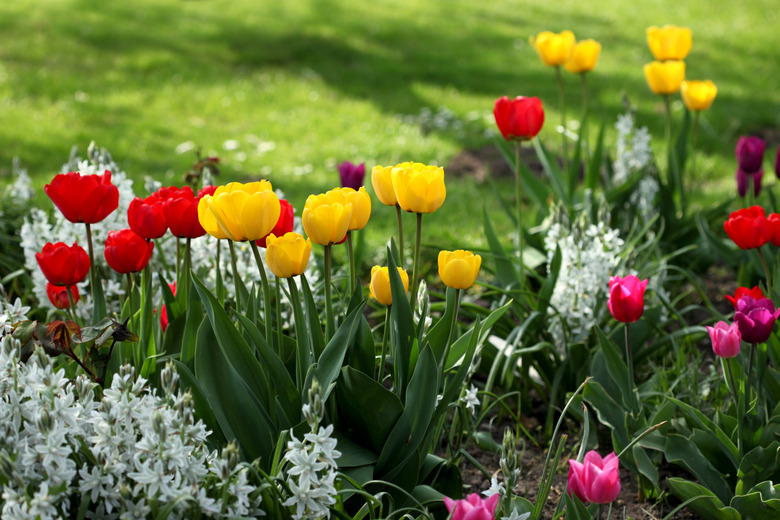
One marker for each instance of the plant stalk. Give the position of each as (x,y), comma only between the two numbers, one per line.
(519,195)
(72,305)
(269,331)
(398,214)
(565,149)
(236,278)
(385,335)
(416,268)
(351,253)
(329,321)
(629,359)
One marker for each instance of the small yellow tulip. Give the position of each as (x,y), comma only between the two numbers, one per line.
(382,180)
(554,49)
(380,284)
(458,269)
(361,207)
(669,42)
(584,57)
(419,188)
(698,95)
(240,211)
(665,77)
(287,255)
(326,217)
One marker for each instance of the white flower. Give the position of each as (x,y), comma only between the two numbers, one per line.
(471,399)
(516,516)
(495,487)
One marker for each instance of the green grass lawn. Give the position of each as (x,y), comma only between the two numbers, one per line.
(285,90)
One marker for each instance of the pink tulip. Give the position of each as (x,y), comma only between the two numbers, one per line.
(626,298)
(472,507)
(595,480)
(726,339)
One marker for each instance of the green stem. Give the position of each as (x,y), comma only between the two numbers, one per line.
(675,167)
(97,315)
(731,378)
(385,334)
(178,256)
(584,83)
(130,293)
(398,214)
(766,271)
(351,253)
(564,152)
(72,305)
(187,270)
(695,139)
(220,286)
(519,196)
(236,279)
(269,331)
(454,324)
(279,331)
(749,381)
(304,358)
(329,321)
(629,359)
(416,267)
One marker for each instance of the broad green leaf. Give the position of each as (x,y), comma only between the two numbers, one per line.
(610,413)
(685,453)
(593,173)
(505,269)
(761,502)
(553,172)
(401,330)
(315,334)
(760,463)
(202,407)
(706,505)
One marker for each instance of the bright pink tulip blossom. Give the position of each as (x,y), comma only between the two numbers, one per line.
(726,339)
(595,480)
(756,318)
(473,507)
(626,298)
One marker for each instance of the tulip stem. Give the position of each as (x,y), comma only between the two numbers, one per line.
(600,511)
(269,331)
(519,195)
(695,139)
(731,379)
(98,308)
(220,286)
(629,359)
(766,271)
(187,270)
(72,305)
(385,333)
(584,83)
(351,252)
(676,174)
(416,266)
(236,279)
(329,325)
(564,152)
(178,256)
(130,294)
(748,383)
(398,214)
(454,323)
(279,331)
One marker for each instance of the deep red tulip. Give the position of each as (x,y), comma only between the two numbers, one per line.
(755,293)
(181,214)
(750,153)
(626,298)
(146,217)
(749,228)
(171,192)
(83,198)
(519,119)
(284,224)
(58,296)
(62,264)
(351,175)
(126,252)
(207,190)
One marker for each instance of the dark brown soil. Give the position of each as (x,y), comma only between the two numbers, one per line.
(478,163)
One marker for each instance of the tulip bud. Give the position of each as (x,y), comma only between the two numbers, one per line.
(473,507)
(626,298)
(62,264)
(745,179)
(380,284)
(361,207)
(726,339)
(58,296)
(352,175)
(698,95)
(83,198)
(146,217)
(520,118)
(748,227)
(595,480)
(755,293)
(126,252)
(326,217)
(459,269)
(382,181)
(777,163)
(287,255)
(750,153)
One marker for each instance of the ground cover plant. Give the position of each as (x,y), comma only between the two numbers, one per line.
(225,349)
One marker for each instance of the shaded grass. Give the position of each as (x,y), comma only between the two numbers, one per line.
(303,85)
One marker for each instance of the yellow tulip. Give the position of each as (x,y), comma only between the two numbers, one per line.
(380,284)
(698,95)
(382,181)
(669,42)
(241,211)
(326,217)
(584,56)
(361,207)
(665,77)
(287,255)
(554,49)
(419,188)
(458,269)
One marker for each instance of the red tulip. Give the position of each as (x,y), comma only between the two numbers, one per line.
(62,264)
(58,296)
(755,293)
(126,252)
(164,311)
(626,298)
(749,228)
(83,198)
(520,118)
(207,190)
(284,224)
(181,214)
(146,217)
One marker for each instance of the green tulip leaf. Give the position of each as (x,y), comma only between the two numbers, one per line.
(401,330)
(575,509)
(759,464)
(202,406)
(593,172)
(505,269)
(762,501)
(551,169)
(684,452)
(697,419)
(315,334)
(701,500)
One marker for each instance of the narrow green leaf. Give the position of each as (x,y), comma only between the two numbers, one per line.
(330,362)
(401,330)
(593,173)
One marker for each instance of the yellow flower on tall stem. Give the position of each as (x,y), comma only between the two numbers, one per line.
(381,291)
(458,270)
(419,188)
(382,181)
(583,59)
(361,212)
(697,96)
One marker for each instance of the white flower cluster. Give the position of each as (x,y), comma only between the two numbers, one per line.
(10,314)
(643,197)
(590,254)
(633,148)
(131,454)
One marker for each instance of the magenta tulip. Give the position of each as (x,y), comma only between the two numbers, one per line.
(352,175)
(473,507)
(777,163)
(750,153)
(595,480)
(626,298)
(755,318)
(726,339)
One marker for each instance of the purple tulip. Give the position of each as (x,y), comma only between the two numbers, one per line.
(352,175)
(777,163)
(750,153)
(726,339)
(756,318)
(744,178)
